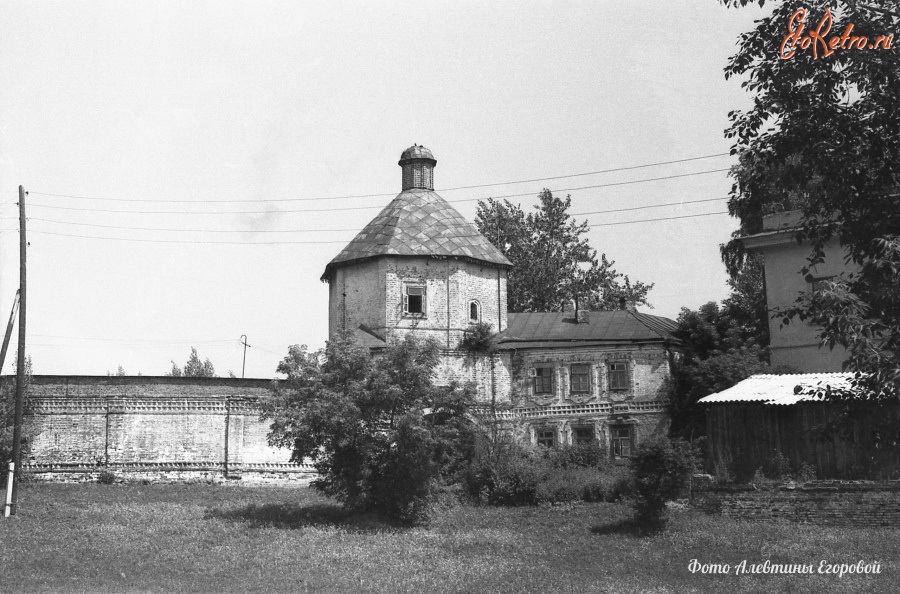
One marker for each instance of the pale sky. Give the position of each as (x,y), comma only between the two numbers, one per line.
(167,106)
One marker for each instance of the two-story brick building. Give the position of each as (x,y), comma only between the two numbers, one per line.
(563,377)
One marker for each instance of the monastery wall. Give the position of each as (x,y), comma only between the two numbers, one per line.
(159,427)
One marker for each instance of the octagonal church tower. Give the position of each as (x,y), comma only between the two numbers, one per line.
(418,266)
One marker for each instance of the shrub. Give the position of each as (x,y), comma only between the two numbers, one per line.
(662,470)
(617,482)
(106,477)
(561,485)
(478,339)
(591,455)
(502,473)
(507,473)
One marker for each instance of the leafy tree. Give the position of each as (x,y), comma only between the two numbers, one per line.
(716,356)
(193,367)
(821,138)
(722,346)
(381,435)
(552,262)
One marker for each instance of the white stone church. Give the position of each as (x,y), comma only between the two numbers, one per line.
(420,267)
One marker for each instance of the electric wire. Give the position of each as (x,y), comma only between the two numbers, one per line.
(167,229)
(185,241)
(370,207)
(506,183)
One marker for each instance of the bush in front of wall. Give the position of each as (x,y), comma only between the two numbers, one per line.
(662,469)
(106,477)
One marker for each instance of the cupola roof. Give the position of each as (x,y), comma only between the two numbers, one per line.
(418,223)
(416,151)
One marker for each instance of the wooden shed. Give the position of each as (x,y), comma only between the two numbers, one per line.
(773,424)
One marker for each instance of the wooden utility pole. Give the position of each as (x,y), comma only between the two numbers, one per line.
(20,363)
(244,365)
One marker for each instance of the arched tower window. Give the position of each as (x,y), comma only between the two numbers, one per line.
(474,312)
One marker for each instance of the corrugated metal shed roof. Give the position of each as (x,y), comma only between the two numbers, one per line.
(778,389)
(546,329)
(418,223)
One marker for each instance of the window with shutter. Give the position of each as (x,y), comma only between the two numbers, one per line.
(414,300)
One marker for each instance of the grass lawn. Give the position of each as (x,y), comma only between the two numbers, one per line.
(207,538)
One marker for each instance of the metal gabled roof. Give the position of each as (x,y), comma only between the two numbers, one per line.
(536,329)
(779,389)
(418,222)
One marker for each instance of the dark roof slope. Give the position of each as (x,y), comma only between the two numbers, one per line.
(543,329)
(418,223)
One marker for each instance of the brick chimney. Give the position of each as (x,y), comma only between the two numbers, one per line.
(580,310)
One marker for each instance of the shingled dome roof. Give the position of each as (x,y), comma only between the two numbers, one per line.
(418,223)
(416,151)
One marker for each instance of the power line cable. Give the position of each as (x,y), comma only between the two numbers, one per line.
(183,241)
(376,206)
(148,340)
(614,210)
(704,214)
(506,183)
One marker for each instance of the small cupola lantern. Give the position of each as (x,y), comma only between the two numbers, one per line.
(418,168)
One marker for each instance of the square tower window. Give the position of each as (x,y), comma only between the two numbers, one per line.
(414,300)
